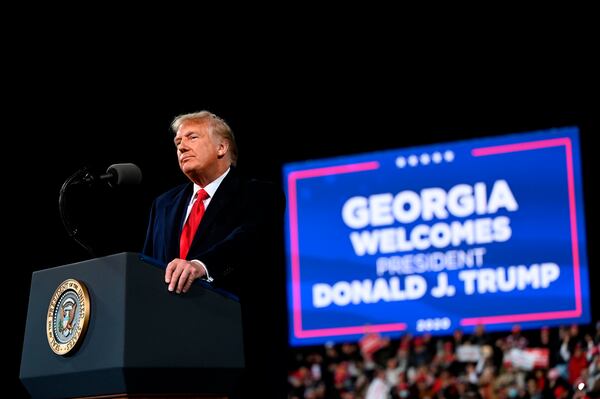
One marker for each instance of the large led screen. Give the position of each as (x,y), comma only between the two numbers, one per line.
(434,238)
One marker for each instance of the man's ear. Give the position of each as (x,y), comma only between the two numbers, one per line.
(222,148)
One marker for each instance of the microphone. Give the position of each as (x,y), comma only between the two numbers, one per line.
(116,175)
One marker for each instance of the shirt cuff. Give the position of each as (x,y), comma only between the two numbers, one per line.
(207,277)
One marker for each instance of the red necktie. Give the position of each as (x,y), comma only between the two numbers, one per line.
(192,223)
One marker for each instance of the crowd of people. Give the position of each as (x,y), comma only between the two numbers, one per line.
(545,363)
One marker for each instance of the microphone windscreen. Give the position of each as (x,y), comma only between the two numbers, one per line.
(125,173)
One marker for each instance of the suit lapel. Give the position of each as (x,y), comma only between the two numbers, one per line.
(176,216)
(222,196)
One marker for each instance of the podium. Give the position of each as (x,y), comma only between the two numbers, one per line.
(141,340)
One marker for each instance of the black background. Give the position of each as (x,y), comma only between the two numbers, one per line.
(67,115)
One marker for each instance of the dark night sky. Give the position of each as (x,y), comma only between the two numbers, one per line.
(62,120)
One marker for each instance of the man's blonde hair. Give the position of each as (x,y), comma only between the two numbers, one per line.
(216,125)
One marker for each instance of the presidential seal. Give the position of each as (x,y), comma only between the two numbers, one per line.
(68,316)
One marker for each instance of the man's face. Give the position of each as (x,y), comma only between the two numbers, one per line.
(197,150)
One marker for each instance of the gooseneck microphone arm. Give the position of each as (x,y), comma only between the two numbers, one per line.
(71,228)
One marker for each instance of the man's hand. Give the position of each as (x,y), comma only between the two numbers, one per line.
(181,273)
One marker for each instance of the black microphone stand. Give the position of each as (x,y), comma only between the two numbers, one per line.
(72,230)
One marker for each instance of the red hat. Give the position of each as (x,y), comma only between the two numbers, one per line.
(558,391)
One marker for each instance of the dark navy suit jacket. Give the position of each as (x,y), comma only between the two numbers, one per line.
(236,236)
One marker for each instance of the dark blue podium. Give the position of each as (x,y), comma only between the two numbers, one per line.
(140,340)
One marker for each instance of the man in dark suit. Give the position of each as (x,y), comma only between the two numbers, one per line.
(227,230)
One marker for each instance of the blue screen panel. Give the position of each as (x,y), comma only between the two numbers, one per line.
(439,237)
